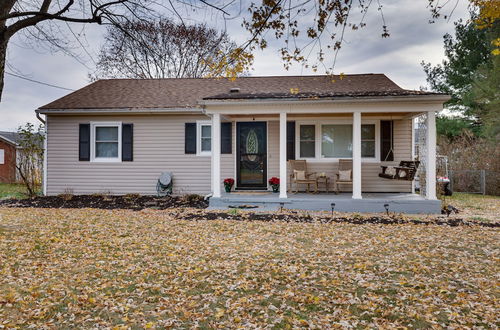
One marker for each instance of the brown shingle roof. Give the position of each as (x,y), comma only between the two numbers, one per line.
(187,92)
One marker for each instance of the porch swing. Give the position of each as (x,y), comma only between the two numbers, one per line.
(406,170)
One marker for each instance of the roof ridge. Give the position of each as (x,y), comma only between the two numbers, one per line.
(247,77)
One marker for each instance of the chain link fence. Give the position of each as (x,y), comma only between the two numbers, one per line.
(475,181)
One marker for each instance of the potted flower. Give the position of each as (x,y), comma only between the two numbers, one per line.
(228,184)
(275,183)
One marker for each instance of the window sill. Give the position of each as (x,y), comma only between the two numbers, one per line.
(106,160)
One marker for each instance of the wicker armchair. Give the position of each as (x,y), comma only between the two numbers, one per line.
(308,179)
(344,165)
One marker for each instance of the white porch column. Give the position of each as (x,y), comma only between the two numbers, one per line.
(356,155)
(216,183)
(430,167)
(283,173)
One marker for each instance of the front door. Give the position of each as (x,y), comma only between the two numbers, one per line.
(251,161)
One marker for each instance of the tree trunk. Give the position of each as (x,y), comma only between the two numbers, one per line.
(3,56)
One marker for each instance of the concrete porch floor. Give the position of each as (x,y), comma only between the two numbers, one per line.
(370,203)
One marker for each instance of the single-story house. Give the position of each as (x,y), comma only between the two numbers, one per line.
(8,156)
(116,136)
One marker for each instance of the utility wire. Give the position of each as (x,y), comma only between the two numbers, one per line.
(39,82)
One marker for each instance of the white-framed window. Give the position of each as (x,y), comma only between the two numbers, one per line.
(331,140)
(204,138)
(106,141)
(2,156)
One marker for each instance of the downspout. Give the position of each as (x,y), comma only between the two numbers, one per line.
(40,118)
(44,178)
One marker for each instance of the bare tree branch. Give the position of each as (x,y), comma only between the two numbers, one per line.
(161,49)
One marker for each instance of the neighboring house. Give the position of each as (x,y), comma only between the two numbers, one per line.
(8,156)
(118,135)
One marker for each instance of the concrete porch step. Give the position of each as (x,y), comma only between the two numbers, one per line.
(325,203)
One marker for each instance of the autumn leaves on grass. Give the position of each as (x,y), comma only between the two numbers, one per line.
(147,269)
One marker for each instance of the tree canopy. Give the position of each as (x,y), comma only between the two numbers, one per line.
(469,73)
(161,49)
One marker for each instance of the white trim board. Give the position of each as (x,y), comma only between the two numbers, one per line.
(93,125)
(199,124)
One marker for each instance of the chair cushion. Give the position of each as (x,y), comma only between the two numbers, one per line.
(299,175)
(390,170)
(345,175)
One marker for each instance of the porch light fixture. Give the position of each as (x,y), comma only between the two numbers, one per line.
(386,206)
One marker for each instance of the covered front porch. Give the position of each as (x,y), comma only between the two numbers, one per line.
(367,193)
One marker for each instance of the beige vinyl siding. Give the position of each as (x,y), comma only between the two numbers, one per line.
(228,161)
(158,147)
(273,146)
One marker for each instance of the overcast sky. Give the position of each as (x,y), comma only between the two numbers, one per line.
(412,40)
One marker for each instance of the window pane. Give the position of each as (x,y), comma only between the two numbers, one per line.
(307,141)
(336,141)
(106,149)
(106,133)
(342,141)
(206,144)
(368,149)
(327,132)
(206,131)
(307,132)
(307,149)
(368,132)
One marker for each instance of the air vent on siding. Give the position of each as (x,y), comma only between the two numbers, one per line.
(234,90)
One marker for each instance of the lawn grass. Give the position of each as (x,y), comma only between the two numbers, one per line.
(12,190)
(88,268)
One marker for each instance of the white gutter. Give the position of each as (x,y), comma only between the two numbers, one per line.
(134,111)
(343,99)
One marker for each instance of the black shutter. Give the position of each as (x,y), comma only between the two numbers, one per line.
(84,143)
(190,138)
(127,142)
(387,140)
(226,138)
(290,140)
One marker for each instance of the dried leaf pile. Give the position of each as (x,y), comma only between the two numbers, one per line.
(122,269)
